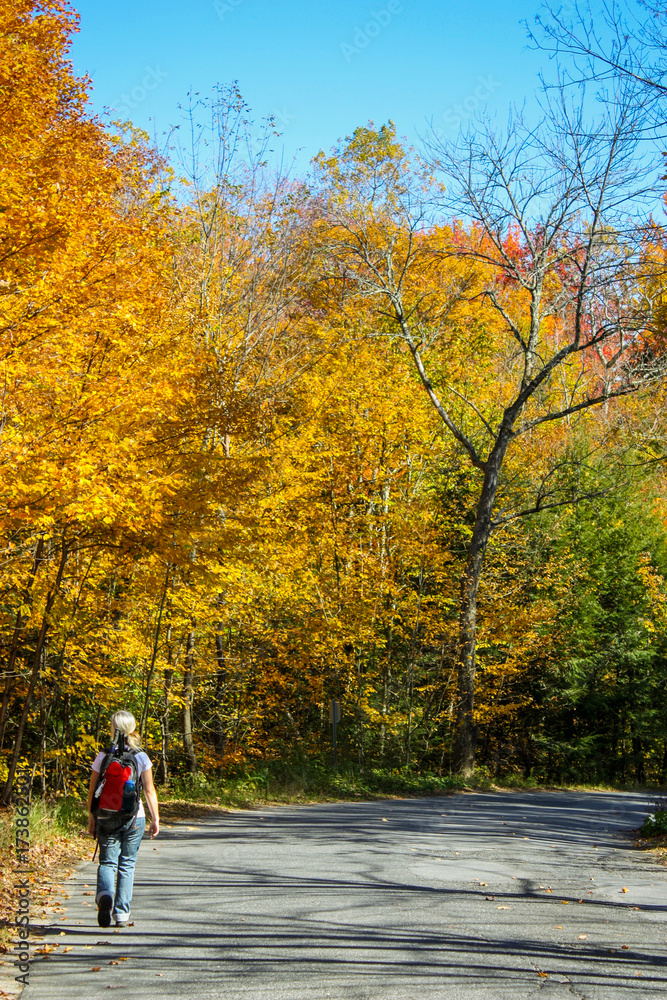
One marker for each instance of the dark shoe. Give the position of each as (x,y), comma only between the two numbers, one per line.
(104,911)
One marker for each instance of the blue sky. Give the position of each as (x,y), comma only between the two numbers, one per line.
(320,68)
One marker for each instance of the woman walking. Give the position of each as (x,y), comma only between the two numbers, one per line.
(118,850)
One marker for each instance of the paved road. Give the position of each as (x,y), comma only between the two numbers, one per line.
(478,895)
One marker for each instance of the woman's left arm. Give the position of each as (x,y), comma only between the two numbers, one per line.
(151,799)
(91,790)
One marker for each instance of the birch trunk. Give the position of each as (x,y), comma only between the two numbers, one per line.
(188,696)
(163,768)
(220,688)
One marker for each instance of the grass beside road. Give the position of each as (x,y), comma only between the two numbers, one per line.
(309,781)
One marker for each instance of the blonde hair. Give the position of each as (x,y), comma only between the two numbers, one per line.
(125,724)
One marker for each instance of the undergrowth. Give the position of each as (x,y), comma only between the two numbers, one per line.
(655,824)
(311,781)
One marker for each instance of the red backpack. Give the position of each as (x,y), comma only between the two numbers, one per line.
(117,794)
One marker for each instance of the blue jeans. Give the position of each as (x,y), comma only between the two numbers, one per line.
(115,875)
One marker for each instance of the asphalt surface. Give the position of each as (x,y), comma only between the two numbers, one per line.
(476,895)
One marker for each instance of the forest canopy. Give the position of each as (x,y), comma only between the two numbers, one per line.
(391,434)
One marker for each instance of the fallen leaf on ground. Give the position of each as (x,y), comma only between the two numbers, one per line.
(624,889)
(503,907)
(582,937)
(95,968)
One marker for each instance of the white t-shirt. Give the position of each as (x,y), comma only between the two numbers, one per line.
(143,764)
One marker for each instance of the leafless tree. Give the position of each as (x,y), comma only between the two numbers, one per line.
(240,264)
(551,218)
(607,42)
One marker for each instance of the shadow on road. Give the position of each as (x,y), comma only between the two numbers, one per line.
(286,921)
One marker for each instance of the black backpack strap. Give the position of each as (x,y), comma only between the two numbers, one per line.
(139,784)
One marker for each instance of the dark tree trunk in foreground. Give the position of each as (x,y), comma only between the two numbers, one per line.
(37,659)
(465,732)
(14,647)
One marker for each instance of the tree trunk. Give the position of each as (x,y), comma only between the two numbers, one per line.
(156,643)
(188,696)
(163,767)
(66,721)
(386,689)
(41,638)
(13,649)
(3,710)
(413,657)
(638,755)
(411,689)
(220,688)
(43,718)
(360,714)
(465,734)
